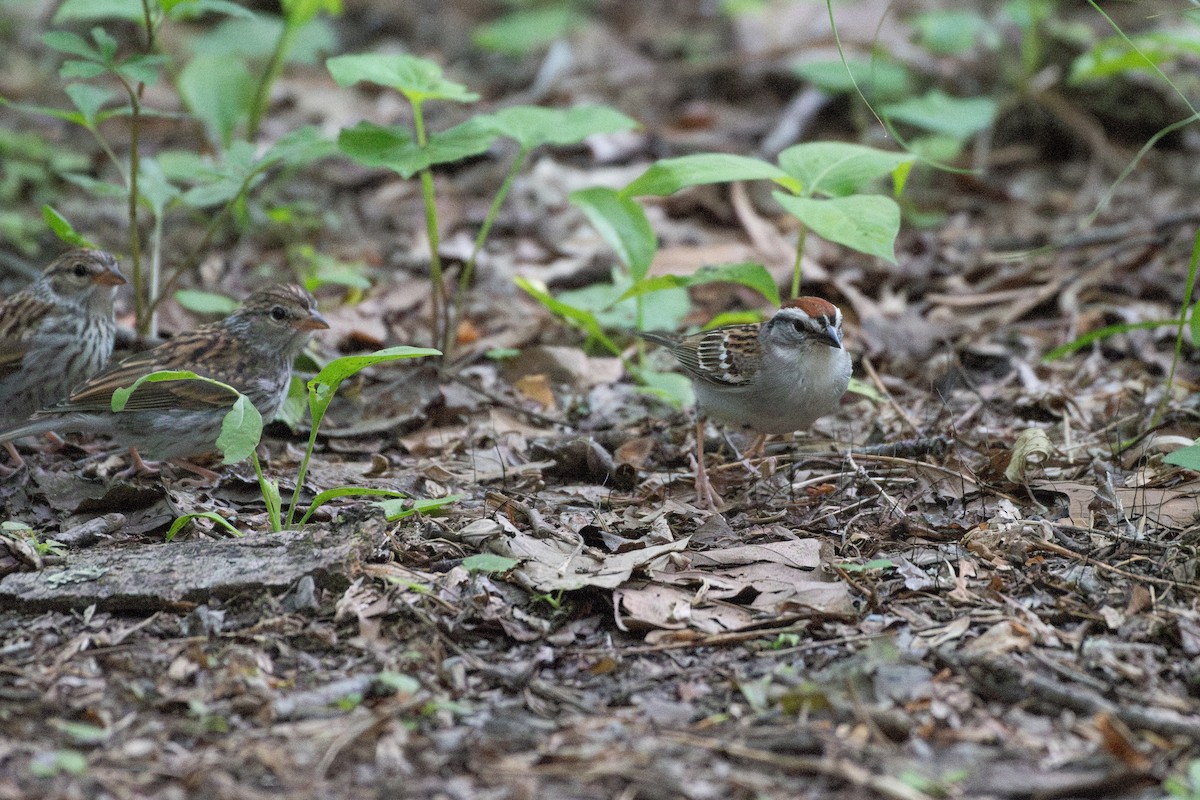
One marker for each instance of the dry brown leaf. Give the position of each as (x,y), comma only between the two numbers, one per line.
(537,388)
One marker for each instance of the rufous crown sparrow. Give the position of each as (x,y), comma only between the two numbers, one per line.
(777,376)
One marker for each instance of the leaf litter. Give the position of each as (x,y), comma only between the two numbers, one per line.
(1011,613)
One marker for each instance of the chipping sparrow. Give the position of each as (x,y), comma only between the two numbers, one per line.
(56,333)
(252,350)
(777,376)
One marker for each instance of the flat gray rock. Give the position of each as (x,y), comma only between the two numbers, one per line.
(164,576)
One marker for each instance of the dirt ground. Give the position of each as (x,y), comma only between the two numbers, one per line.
(981,581)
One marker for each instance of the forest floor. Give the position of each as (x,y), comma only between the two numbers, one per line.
(891,607)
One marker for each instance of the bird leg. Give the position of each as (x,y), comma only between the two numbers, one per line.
(139,466)
(706,495)
(18,462)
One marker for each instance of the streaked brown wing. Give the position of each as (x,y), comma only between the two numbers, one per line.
(12,353)
(21,314)
(726,355)
(96,394)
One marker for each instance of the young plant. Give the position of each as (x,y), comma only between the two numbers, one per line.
(822,184)
(241,431)
(218,88)
(416,151)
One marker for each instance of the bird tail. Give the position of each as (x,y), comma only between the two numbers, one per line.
(30,427)
(659,337)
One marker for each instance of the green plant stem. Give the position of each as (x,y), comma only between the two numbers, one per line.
(1183,317)
(269,496)
(140,310)
(210,231)
(318,413)
(464,280)
(148,23)
(262,95)
(155,274)
(798,267)
(442,335)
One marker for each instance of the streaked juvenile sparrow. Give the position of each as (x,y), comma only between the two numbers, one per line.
(777,376)
(252,350)
(56,333)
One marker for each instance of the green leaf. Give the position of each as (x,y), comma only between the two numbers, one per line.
(623,224)
(399,509)
(394,148)
(180,522)
(299,12)
(672,387)
(532,126)
(142,68)
(667,307)
(864,389)
(1104,333)
(584,319)
(255,37)
(347,491)
(866,223)
(748,273)
(106,44)
(525,30)
(89,100)
(82,69)
(48,765)
(206,302)
(339,369)
(672,174)
(488,562)
(951,32)
(1116,56)
(82,732)
(63,229)
(838,169)
(72,10)
(322,388)
(72,44)
(1186,457)
(184,10)
(241,431)
(219,91)
(878,79)
(418,79)
(154,188)
(300,147)
(938,112)
(98,188)
(120,396)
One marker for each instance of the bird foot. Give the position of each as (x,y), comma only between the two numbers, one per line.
(706,495)
(17,462)
(139,466)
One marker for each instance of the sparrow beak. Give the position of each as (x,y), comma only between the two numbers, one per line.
(110,277)
(313,322)
(831,335)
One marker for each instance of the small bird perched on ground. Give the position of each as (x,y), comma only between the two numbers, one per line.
(252,350)
(56,333)
(776,376)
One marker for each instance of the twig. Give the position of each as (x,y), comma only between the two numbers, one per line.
(875,379)
(1068,553)
(842,769)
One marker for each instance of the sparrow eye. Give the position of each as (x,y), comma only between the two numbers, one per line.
(279,313)
(80,269)
(799,326)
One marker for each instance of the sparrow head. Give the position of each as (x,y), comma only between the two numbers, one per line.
(81,274)
(280,318)
(804,321)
